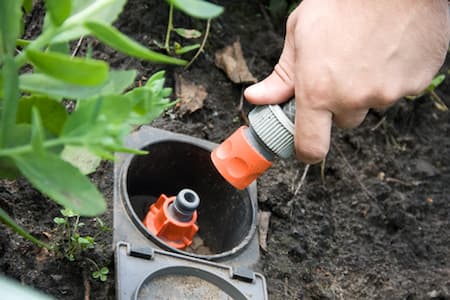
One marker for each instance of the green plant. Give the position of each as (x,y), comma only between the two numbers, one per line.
(194,8)
(34,125)
(74,243)
(431,90)
(101,273)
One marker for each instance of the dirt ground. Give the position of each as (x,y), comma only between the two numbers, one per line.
(373,223)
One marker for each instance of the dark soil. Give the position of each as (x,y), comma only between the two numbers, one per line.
(375,226)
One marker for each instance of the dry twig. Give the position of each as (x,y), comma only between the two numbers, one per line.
(87,287)
(77,47)
(302,180)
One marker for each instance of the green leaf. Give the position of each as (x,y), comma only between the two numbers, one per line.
(70,69)
(62,182)
(97,117)
(116,83)
(182,50)
(100,124)
(104,270)
(37,132)
(117,40)
(59,221)
(63,48)
(59,10)
(67,212)
(197,8)
(147,106)
(1,87)
(88,10)
(18,135)
(10,18)
(188,33)
(83,241)
(52,112)
(82,120)
(27,5)
(81,158)
(437,81)
(22,43)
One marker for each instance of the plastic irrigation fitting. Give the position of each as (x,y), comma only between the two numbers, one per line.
(172,219)
(248,152)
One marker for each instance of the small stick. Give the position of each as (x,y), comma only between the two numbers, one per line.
(402,182)
(87,287)
(77,47)
(322,170)
(202,45)
(302,180)
(286,286)
(378,124)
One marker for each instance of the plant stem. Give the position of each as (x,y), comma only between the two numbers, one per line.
(47,144)
(4,218)
(202,46)
(11,98)
(92,262)
(169,29)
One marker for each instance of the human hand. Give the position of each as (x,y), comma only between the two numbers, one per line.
(341,58)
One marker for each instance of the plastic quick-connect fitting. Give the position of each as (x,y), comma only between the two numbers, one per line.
(248,152)
(172,219)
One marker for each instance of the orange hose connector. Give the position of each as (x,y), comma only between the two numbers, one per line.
(172,219)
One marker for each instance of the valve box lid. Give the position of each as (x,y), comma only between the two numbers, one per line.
(157,274)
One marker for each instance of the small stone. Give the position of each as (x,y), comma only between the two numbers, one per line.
(56,277)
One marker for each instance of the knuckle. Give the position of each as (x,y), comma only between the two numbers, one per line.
(387,95)
(283,73)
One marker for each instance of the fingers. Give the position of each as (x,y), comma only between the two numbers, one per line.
(312,133)
(350,118)
(278,87)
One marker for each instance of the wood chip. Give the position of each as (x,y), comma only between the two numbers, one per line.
(263,228)
(191,95)
(232,62)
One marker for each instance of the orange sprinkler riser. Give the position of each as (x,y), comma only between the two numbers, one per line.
(172,219)
(248,152)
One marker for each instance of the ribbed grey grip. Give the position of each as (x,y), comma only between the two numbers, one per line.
(274,127)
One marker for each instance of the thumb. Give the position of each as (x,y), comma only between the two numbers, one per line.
(278,87)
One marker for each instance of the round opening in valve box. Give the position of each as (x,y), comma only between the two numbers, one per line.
(226,216)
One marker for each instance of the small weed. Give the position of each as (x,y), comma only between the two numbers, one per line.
(194,8)
(75,243)
(101,274)
(431,90)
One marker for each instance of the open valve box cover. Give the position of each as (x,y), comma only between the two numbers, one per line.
(220,260)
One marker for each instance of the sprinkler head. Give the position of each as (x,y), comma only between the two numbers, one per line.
(248,152)
(172,219)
